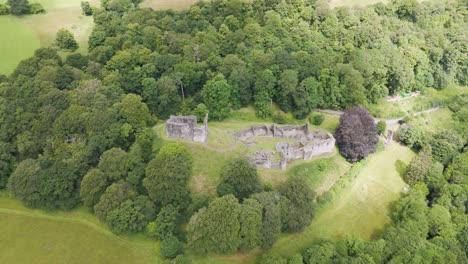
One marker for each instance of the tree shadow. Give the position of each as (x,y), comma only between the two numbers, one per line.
(401,167)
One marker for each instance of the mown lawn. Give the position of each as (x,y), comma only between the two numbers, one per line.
(33,236)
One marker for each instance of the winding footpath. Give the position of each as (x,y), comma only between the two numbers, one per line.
(387,121)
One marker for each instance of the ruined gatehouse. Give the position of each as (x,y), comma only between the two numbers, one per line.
(308,144)
(185,127)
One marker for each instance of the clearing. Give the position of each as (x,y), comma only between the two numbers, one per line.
(362,208)
(25,34)
(18,43)
(32,236)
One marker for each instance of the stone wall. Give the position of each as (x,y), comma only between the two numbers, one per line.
(308,144)
(290,131)
(185,127)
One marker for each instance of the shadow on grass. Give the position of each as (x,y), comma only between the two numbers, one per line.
(401,168)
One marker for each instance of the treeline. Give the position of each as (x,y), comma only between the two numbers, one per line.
(21,7)
(300,54)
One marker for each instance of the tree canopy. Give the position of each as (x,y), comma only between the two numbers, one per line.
(356,135)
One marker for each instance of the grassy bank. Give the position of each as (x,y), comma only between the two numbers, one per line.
(34,236)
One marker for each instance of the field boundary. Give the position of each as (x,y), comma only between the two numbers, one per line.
(76,220)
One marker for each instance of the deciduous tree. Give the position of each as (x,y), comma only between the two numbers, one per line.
(356,135)
(240,178)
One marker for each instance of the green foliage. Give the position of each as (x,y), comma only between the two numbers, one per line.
(279,118)
(240,178)
(93,185)
(126,218)
(166,222)
(134,112)
(271,223)
(446,145)
(216,95)
(114,164)
(167,176)
(199,200)
(181,259)
(200,112)
(111,199)
(6,162)
(36,8)
(317,119)
(216,228)
(412,135)
(272,258)
(381,127)
(419,167)
(66,40)
(320,253)
(19,7)
(171,247)
(4,9)
(251,224)
(44,184)
(457,171)
(86,8)
(77,60)
(300,204)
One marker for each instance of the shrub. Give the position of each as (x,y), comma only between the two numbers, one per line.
(181,259)
(19,7)
(279,118)
(317,119)
(66,40)
(4,9)
(86,8)
(171,247)
(36,8)
(411,135)
(381,127)
(200,112)
(445,146)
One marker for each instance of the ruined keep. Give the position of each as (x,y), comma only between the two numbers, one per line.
(185,127)
(308,144)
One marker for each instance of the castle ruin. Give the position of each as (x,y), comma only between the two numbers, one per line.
(308,144)
(185,127)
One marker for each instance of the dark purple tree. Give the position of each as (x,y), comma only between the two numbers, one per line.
(356,135)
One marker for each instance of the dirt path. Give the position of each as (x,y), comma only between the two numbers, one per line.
(387,121)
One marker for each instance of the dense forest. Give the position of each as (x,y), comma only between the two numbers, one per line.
(76,129)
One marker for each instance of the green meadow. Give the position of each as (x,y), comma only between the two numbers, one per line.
(18,43)
(21,36)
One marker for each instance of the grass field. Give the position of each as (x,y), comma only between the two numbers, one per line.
(362,209)
(25,34)
(18,43)
(32,236)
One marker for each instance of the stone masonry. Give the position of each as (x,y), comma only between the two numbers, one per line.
(308,144)
(185,127)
